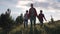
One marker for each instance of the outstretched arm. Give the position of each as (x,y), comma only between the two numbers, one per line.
(45,18)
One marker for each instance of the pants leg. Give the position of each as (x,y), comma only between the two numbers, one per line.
(34,21)
(27,23)
(41,23)
(24,24)
(31,21)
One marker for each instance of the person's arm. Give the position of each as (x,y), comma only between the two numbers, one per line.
(29,11)
(35,12)
(38,16)
(28,16)
(24,16)
(44,18)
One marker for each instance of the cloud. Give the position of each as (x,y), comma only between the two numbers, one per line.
(7,3)
(49,7)
(55,4)
(41,4)
(41,0)
(22,5)
(23,2)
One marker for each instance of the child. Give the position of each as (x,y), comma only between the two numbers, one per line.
(40,17)
(26,19)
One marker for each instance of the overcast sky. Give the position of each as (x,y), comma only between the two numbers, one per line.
(49,7)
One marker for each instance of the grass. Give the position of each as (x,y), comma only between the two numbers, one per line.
(52,28)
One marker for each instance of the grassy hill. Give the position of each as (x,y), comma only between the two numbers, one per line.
(52,28)
(48,28)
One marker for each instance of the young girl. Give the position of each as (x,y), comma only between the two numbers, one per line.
(26,19)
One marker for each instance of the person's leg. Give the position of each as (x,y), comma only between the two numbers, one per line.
(24,24)
(34,21)
(27,24)
(31,21)
(41,23)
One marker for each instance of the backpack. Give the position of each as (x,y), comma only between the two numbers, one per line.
(32,12)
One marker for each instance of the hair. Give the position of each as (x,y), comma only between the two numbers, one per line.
(26,10)
(8,9)
(31,4)
(41,11)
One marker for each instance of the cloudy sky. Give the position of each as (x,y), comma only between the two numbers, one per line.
(49,7)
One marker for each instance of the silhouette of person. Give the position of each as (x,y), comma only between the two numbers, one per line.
(40,17)
(52,19)
(8,12)
(26,19)
(32,15)
(21,18)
